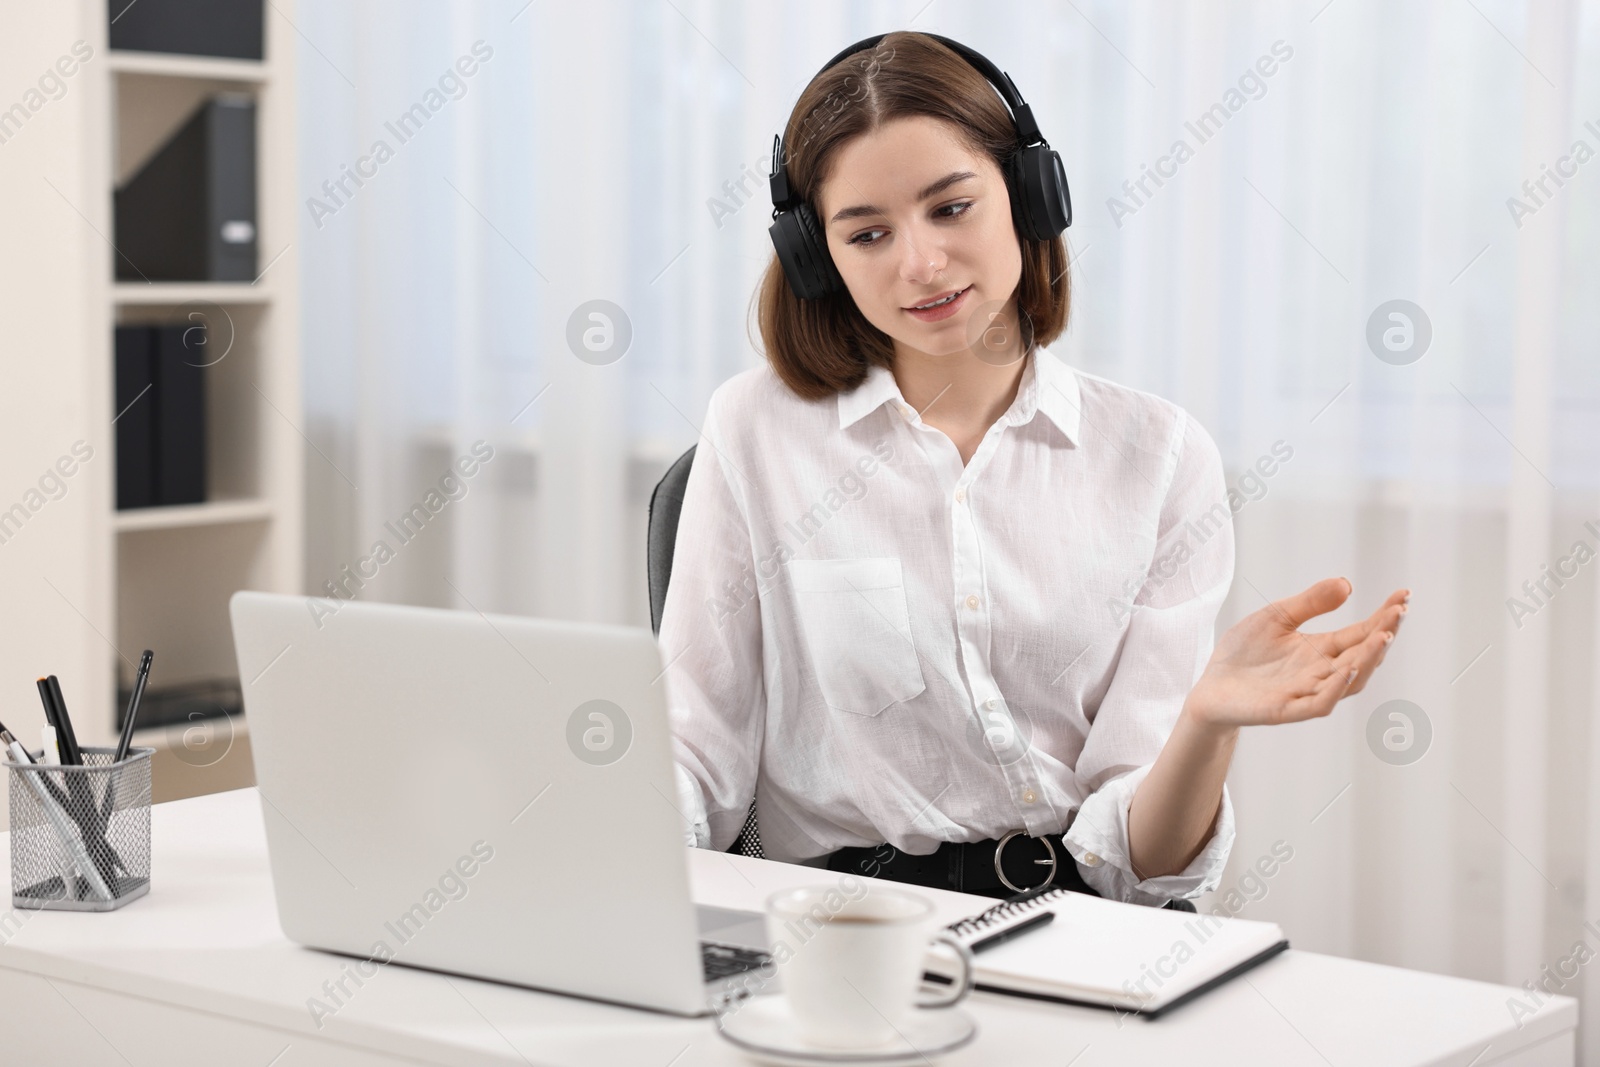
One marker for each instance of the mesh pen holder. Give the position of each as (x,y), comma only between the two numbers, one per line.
(80,835)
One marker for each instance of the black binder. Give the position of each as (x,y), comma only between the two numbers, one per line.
(161,432)
(230,28)
(136,423)
(189,214)
(180,417)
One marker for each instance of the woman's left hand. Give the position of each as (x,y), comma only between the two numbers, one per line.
(1264,671)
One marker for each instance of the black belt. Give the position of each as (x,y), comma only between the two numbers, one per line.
(969,866)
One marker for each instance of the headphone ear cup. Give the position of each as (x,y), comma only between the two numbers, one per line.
(1041,204)
(803,251)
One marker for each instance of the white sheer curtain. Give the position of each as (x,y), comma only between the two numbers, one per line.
(617,152)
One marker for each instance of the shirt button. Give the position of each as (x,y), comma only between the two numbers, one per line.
(1091,860)
(1029,796)
(991,704)
(961,496)
(972,602)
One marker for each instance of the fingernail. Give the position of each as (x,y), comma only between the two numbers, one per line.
(1388,635)
(1351,584)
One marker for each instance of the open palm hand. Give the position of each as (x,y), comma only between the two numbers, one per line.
(1265,671)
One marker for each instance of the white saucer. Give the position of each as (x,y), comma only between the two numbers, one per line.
(764,1028)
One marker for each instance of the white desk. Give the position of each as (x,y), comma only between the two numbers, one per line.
(198,973)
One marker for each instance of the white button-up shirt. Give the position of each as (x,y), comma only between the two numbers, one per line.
(880,643)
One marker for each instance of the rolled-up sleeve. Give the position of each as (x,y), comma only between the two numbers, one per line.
(711,646)
(1169,638)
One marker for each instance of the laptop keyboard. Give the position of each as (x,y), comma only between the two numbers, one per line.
(724,961)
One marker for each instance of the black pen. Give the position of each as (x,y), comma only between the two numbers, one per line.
(126,740)
(70,752)
(133,705)
(50,716)
(50,712)
(1016,931)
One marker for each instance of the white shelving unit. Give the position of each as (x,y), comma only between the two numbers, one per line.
(86,587)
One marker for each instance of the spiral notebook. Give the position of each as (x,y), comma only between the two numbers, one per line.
(1106,954)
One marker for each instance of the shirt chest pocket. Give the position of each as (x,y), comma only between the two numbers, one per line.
(857,631)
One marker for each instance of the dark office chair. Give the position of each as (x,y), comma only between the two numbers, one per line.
(666,503)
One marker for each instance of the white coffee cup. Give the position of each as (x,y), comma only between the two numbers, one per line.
(850,960)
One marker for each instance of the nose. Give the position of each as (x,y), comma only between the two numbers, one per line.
(922,256)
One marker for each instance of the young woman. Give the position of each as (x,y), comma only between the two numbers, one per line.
(941,604)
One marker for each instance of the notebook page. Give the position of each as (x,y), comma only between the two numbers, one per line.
(1106,951)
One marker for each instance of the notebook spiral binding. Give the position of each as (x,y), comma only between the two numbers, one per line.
(1005,912)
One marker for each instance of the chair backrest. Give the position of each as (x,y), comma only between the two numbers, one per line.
(666,504)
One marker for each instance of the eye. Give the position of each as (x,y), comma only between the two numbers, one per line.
(857,239)
(956,211)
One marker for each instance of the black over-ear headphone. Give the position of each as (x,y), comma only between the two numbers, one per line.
(1040,203)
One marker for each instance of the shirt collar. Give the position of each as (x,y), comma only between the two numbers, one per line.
(1048,386)
(878,389)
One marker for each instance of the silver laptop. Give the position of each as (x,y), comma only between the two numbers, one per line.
(482,795)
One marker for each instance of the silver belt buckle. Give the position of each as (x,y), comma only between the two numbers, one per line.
(1001,874)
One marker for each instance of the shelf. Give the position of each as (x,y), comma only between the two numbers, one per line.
(173,65)
(155,736)
(188,764)
(211,513)
(177,293)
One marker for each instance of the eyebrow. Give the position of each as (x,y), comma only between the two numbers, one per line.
(935,189)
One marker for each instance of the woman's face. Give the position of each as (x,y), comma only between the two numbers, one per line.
(912,215)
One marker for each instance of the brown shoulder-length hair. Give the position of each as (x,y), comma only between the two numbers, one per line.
(825,346)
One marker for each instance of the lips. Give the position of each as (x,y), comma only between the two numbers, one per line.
(955,300)
(922,305)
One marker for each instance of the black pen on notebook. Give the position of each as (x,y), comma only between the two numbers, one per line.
(1010,918)
(1012,931)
